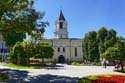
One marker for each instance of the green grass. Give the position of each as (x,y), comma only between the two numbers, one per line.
(77,64)
(21,67)
(83,64)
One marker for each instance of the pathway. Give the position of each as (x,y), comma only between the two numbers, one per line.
(61,73)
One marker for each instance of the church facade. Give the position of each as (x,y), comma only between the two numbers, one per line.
(65,49)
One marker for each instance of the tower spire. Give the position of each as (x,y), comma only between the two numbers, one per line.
(61,27)
(61,16)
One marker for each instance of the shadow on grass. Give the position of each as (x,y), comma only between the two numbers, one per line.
(15,76)
(51,79)
(21,76)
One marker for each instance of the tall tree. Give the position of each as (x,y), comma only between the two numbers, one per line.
(90,46)
(18,54)
(102,34)
(111,38)
(18,17)
(43,50)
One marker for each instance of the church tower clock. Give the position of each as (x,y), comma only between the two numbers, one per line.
(61,27)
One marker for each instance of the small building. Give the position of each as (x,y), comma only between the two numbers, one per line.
(65,49)
(4,52)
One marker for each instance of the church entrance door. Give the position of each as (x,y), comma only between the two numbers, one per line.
(61,59)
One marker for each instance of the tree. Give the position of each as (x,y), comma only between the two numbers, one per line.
(111,54)
(18,17)
(111,38)
(43,50)
(18,54)
(12,38)
(22,52)
(102,34)
(29,48)
(115,53)
(37,35)
(90,46)
(121,48)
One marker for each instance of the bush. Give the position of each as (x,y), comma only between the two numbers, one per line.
(84,81)
(97,63)
(78,63)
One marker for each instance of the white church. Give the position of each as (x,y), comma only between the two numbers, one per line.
(65,49)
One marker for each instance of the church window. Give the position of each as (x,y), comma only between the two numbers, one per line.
(61,25)
(63,49)
(58,49)
(75,51)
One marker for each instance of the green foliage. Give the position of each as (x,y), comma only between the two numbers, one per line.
(78,63)
(21,66)
(102,44)
(43,50)
(18,54)
(12,38)
(84,81)
(87,79)
(90,46)
(102,34)
(19,16)
(112,53)
(23,51)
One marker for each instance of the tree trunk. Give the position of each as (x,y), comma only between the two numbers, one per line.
(28,61)
(42,61)
(18,61)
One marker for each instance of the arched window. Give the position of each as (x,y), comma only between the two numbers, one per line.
(58,49)
(61,25)
(63,49)
(75,51)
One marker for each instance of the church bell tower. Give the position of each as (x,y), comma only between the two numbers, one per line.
(61,27)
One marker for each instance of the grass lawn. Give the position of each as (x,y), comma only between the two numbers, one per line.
(21,67)
(108,78)
(83,64)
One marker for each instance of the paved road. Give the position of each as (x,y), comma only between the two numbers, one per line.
(61,73)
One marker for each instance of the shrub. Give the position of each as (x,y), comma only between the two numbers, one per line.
(84,80)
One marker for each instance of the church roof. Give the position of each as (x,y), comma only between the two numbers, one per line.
(61,16)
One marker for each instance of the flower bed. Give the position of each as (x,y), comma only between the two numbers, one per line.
(103,79)
(112,79)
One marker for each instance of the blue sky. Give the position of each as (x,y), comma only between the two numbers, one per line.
(84,15)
